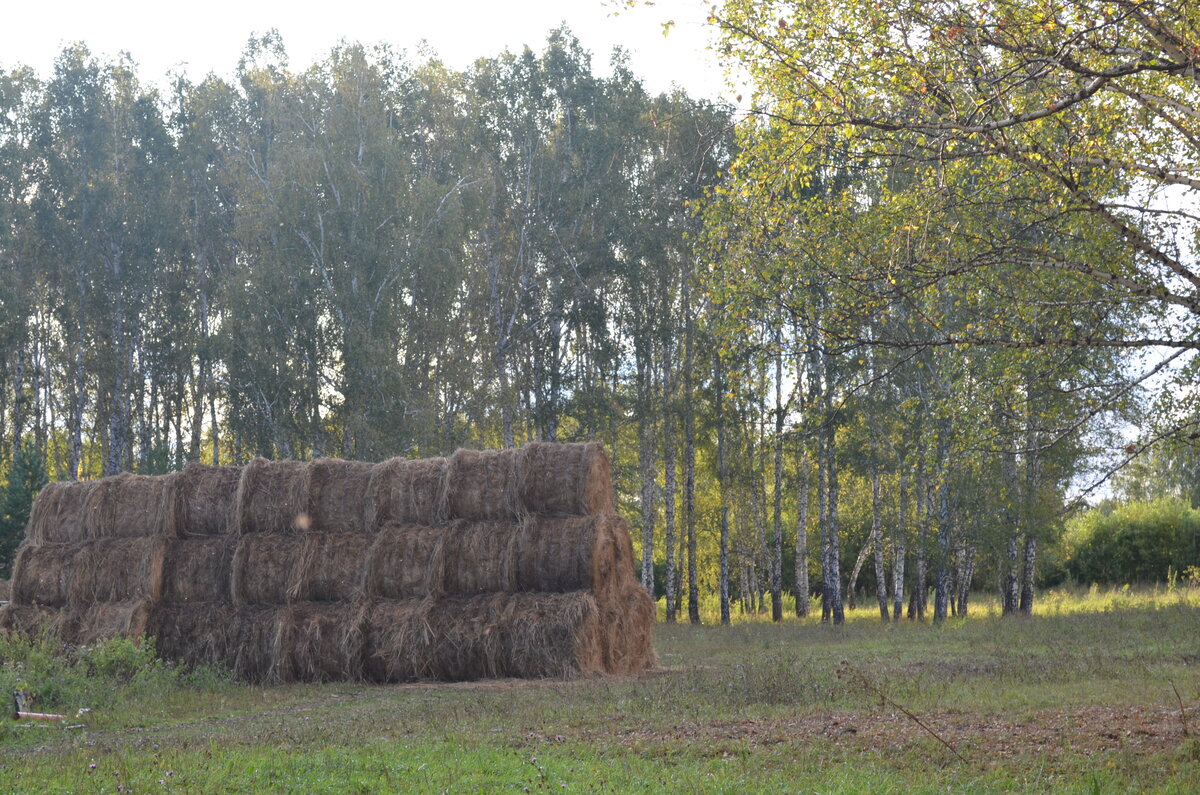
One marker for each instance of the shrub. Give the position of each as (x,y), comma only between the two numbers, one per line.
(64,678)
(1137,542)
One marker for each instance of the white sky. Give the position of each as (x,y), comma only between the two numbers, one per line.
(209,36)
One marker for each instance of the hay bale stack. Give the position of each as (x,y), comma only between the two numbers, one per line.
(57,514)
(337,495)
(201,500)
(495,563)
(127,506)
(405,490)
(197,569)
(272,497)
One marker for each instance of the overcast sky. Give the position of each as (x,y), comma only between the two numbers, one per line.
(208,36)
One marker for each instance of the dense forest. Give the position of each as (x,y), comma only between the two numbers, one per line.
(883,330)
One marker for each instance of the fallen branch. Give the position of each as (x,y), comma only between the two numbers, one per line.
(848,670)
(1182,709)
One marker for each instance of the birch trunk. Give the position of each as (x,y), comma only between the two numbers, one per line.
(877,543)
(1030,569)
(723,476)
(777,545)
(941,601)
(646,471)
(801,573)
(669,480)
(898,546)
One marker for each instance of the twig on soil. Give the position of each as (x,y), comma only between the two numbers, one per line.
(848,670)
(1182,709)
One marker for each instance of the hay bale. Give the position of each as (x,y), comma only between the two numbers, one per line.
(337,495)
(560,554)
(262,568)
(117,570)
(36,622)
(116,619)
(251,642)
(406,491)
(484,484)
(471,637)
(127,505)
(201,500)
(468,638)
(330,567)
(479,557)
(197,569)
(404,562)
(320,642)
(272,497)
(57,514)
(193,634)
(42,574)
(566,479)
(398,638)
(552,635)
(627,619)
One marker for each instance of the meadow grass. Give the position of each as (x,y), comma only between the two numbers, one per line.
(1080,698)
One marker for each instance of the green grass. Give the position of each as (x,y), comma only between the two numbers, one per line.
(1081,698)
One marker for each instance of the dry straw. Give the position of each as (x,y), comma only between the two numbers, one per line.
(566,479)
(57,514)
(201,500)
(337,495)
(492,635)
(42,574)
(405,562)
(130,619)
(320,642)
(272,497)
(329,568)
(627,618)
(35,621)
(197,569)
(484,484)
(404,490)
(195,632)
(118,570)
(262,568)
(125,506)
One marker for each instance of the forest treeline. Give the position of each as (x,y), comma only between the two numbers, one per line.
(377,256)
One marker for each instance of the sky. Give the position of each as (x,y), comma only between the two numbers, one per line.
(203,37)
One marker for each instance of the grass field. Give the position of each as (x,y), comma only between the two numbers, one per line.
(1084,697)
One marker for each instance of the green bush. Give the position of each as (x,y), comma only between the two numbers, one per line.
(1137,542)
(63,678)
